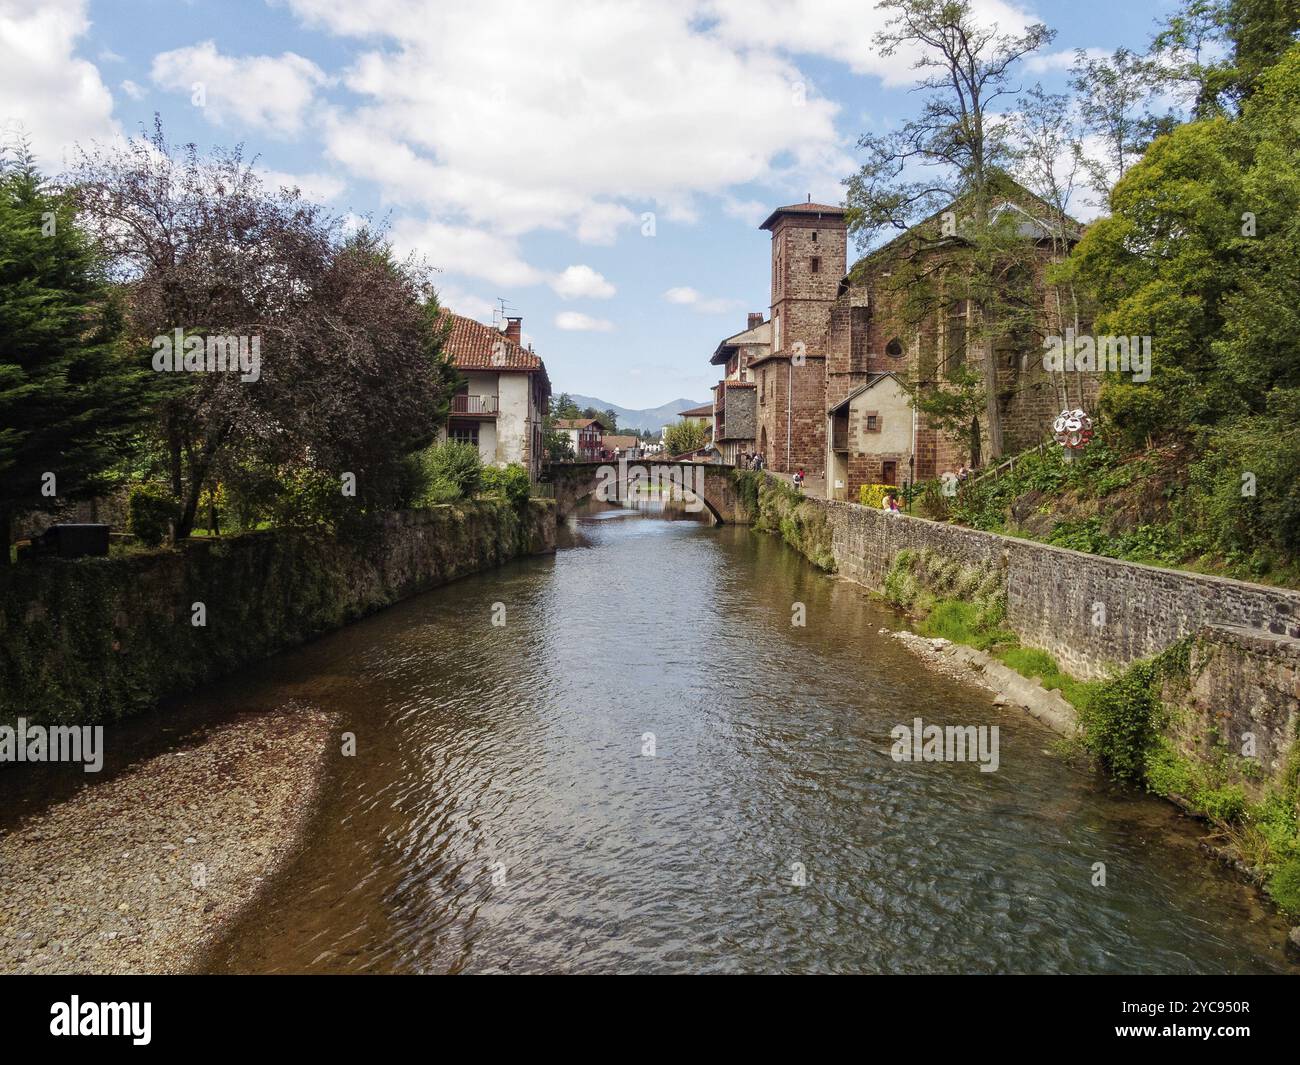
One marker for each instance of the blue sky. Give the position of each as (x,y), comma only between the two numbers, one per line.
(519,146)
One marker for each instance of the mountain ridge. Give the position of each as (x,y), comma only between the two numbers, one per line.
(651,418)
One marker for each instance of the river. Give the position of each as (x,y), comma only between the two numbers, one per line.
(503,812)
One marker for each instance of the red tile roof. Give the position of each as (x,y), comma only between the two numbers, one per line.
(473,346)
(576,423)
(704,410)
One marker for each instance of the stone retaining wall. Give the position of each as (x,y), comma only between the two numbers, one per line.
(98,639)
(1090,613)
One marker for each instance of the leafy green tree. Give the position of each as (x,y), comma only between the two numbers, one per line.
(70,402)
(558,445)
(681,438)
(1215,51)
(1202,253)
(564,407)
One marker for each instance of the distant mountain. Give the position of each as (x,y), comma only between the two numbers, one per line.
(652,418)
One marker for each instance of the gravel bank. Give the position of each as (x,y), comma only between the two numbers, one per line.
(140,873)
(1009,687)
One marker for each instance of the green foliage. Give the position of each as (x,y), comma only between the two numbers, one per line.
(152,511)
(99,639)
(512,483)
(965,604)
(872,495)
(70,400)
(1202,253)
(309,496)
(747,482)
(1119,723)
(558,445)
(453,464)
(801,523)
(681,438)
(1284,886)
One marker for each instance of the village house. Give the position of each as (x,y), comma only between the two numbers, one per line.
(835,365)
(735,397)
(501,404)
(628,447)
(587,435)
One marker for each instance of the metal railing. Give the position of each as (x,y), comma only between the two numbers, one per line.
(466,404)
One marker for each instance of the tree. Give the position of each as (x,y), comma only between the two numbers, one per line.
(1048,163)
(564,407)
(1202,253)
(352,377)
(1112,94)
(684,437)
(1213,52)
(558,445)
(952,153)
(70,402)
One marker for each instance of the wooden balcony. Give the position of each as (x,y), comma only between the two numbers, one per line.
(485,406)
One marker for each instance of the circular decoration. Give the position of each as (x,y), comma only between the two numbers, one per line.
(894,349)
(1072,429)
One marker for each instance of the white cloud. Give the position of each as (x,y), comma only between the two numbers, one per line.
(319,188)
(132,89)
(47,94)
(579,281)
(466,303)
(576,124)
(268,92)
(843,30)
(684,295)
(576,321)
(467,251)
(1041,64)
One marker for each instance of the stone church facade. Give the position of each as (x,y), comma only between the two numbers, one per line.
(833,339)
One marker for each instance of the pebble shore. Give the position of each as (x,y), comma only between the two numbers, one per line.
(142,872)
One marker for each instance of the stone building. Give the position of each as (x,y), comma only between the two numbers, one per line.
(735,414)
(808,256)
(842,356)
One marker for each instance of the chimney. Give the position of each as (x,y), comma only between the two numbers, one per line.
(755,319)
(513,326)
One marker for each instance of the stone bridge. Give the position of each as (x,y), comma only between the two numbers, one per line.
(711,483)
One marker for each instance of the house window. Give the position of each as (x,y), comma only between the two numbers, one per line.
(873,421)
(816,265)
(814,233)
(894,349)
(464,433)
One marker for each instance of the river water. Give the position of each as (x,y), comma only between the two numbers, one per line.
(502,813)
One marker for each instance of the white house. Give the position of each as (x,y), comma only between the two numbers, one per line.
(501,406)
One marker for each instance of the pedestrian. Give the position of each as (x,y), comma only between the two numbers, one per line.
(890,503)
(798,478)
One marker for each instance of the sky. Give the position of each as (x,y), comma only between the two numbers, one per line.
(601,166)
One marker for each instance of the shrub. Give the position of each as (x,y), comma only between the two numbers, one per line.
(1119,723)
(308,496)
(152,511)
(456,464)
(872,495)
(1284,886)
(512,482)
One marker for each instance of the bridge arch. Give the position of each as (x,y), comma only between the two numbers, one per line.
(712,483)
